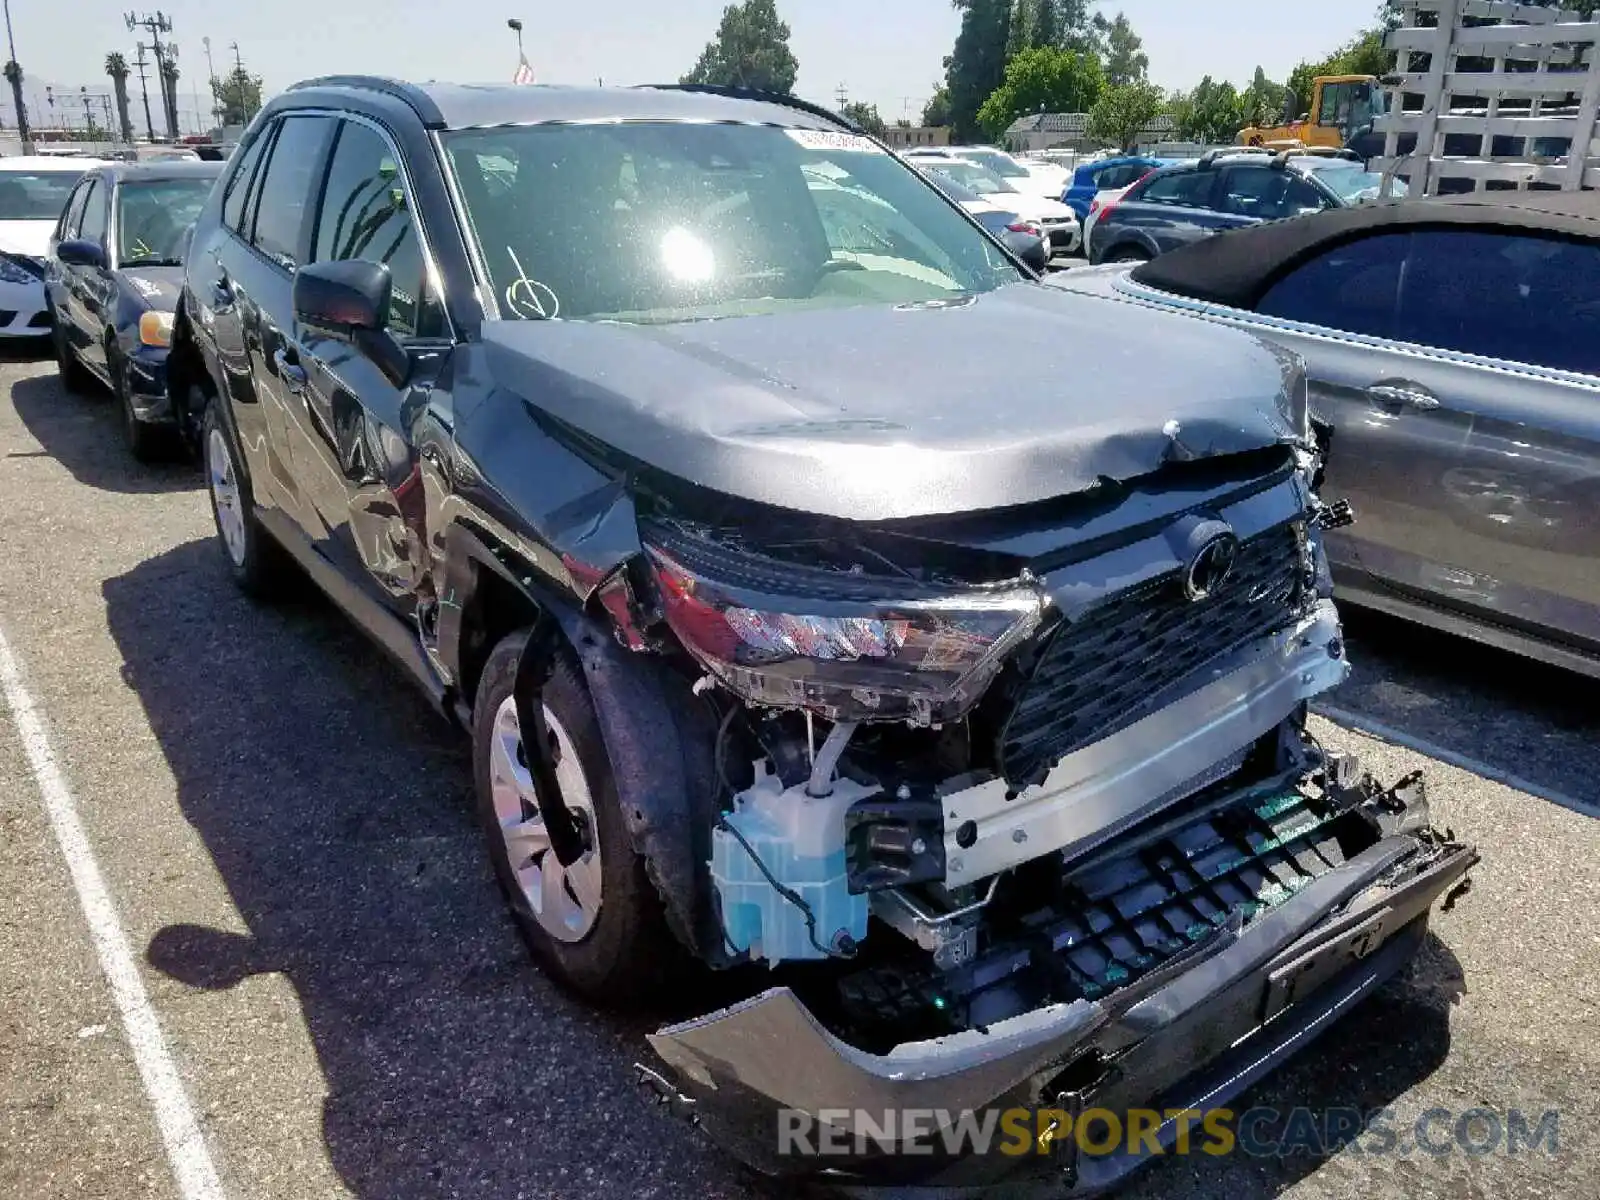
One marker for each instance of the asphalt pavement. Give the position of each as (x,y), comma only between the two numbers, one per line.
(283,834)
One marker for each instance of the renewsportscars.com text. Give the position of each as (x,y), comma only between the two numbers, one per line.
(1256,1132)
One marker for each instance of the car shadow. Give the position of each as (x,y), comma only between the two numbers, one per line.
(83,432)
(336,806)
(1533,726)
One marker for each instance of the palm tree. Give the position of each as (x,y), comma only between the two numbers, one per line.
(117,68)
(169,72)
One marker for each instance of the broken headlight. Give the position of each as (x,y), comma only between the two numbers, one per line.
(924,660)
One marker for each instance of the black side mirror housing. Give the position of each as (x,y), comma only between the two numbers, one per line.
(350,300)
(1037,257)
(80,252)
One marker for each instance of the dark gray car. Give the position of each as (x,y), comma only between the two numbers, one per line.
(1454,344)
(1183,204)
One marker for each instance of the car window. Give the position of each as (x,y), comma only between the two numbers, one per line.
(153,219)
(1117,177)
(1267,194)
(288,190)
(73,214)
(92,226)
(1188,188)
(35,195)
(239,181)
(659,221)
(1521,298)
(1351,287)
(366,214)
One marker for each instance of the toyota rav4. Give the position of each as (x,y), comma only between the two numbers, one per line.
(714,471)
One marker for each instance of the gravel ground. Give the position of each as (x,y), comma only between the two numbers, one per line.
(286,833)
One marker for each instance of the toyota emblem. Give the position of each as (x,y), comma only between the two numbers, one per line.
(1210,567)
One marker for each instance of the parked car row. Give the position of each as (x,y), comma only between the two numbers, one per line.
(710,468)
(1179,204)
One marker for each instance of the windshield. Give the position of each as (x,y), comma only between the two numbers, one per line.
(998,162)
(975,178)
(35,195)
(152,219)
(1353,184)
(653,222)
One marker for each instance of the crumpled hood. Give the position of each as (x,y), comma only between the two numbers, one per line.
(156,287)
(881,412)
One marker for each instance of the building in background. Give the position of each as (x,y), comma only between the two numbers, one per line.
(900,137)
(1070,131)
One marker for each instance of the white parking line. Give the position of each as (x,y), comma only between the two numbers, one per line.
(1387,733)
(186,1147)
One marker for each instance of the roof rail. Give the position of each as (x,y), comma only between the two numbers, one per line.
(409,94)
(744,93)
(1211,156)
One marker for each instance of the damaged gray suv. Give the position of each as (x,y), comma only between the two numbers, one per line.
(714,472)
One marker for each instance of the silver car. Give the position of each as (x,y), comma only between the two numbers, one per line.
(1454,347)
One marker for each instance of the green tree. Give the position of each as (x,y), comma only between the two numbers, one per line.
(1122,112)
(1079,28)
(1211,113)
(1126,61)
(1263,100)
(1020,37)
(1046,30)
(936,112)
(1042,80)
(865,115)
(751,50)
(117,68)
(237,95)
(977,65)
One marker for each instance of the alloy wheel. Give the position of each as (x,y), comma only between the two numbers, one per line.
(225,494)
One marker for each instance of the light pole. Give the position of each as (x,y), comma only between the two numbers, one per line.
(211,73)
(513,24)
(13,74)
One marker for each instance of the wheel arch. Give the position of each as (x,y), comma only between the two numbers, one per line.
(187,367)
(658,741)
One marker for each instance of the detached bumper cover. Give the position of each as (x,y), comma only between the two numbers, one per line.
(1198,1031)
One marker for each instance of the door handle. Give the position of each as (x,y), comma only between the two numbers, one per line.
(292,373)
(1409,394)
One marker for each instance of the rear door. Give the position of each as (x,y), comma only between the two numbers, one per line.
(259,270)
(351,438)
(1169,210)
(1475,482)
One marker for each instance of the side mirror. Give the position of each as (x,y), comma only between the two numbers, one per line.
(79,252)
(343,297)
(1037,256)
(350,300)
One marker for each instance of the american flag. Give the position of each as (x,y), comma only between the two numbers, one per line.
(524,72)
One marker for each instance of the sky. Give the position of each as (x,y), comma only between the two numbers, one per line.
(891,58)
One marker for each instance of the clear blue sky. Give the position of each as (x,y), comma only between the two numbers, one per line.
(883,51)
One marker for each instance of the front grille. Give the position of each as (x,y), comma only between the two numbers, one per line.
(7,315)
(39,320)
(1124,659)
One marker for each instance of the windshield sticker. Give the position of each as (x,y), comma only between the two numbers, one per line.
(849,143)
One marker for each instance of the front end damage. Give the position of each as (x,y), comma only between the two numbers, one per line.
(1019,809)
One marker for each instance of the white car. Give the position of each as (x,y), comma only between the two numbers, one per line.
(1060,223)
(33,191)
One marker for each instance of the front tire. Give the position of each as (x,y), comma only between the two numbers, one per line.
(147,443)
(598,925)
(255,561)
(1128,254)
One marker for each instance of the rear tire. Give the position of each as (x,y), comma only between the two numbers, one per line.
(75,376)
(1128,254)
(597,926)
(257,563)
